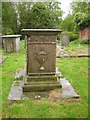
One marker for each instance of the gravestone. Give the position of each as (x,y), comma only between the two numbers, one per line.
(11,43)
(64,40)
(41,59)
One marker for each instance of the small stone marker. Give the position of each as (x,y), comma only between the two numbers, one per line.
(64,40)
(41,60)
(11,43)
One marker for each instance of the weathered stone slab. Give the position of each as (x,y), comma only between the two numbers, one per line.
(16,91)
(67,90)
(20,73)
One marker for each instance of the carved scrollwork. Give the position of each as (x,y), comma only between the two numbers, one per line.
(41,57)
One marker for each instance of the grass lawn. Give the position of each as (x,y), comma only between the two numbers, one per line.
(76,48)
(74,69)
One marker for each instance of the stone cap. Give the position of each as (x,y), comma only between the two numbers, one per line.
(41,31)
(10,36)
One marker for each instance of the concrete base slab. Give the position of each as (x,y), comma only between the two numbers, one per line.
(16,91)
(67,91)
(20,73)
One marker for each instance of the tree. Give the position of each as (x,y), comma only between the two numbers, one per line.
(68,23)
(55,9)
(81,14)
(24,14)
(9,18)
(16,16)
(79,7)
(82,20)
(39,15)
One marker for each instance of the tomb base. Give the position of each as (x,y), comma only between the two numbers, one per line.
(40,83)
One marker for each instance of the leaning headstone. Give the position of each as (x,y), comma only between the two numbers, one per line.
(41,60)
(64,40)
(11,43)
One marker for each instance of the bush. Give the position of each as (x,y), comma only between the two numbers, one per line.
(72,36)
(84,41)
(77,41)
(81,41)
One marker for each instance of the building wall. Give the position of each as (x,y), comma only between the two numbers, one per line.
(85,33)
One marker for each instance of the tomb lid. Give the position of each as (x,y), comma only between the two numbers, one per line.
(42,30)
(10,36)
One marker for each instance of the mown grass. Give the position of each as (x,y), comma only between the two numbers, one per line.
(74,69)
(76,46)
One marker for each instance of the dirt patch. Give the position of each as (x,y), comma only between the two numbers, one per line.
(71,100)
(54,96)
(80,52)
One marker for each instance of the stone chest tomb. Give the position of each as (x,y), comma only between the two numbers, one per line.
(11,43)
(41,59)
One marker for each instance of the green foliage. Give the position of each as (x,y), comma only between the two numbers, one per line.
(81,41)
(81,12)
(16,16)
(68,23)
(42,15)
(84,41)
(24,13)
(45,15)
(77,41)
(0,17)
(82,20)
(9,18)
(72,36)
(76,46)
(79,6)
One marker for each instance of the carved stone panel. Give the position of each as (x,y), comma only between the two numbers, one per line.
(41,39)
(40,58)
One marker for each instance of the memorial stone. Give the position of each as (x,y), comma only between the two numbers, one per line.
(41,60)
(64,40)
(11,43)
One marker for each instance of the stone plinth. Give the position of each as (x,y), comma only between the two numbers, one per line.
(11,43)
(41,59)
